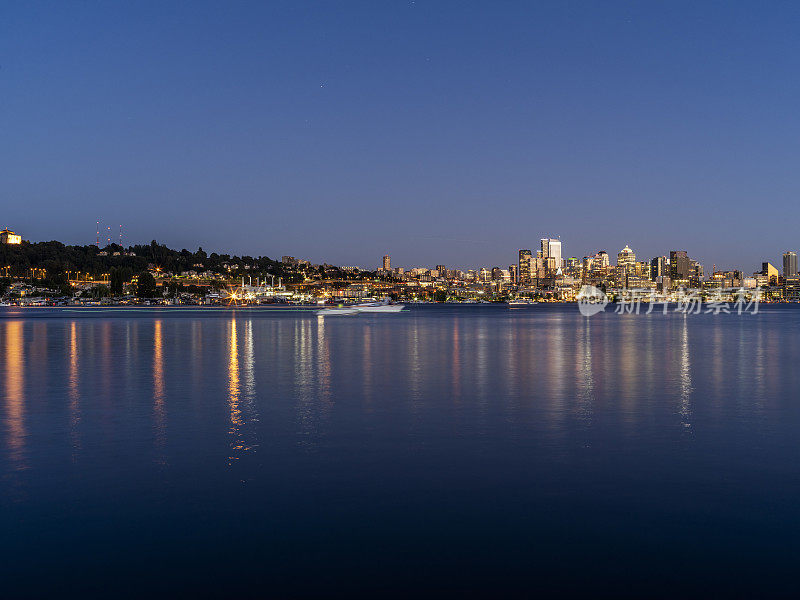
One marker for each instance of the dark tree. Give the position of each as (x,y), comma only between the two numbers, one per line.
(146,285)
(117,282)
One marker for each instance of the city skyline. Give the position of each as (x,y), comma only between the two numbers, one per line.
(548,259)
(105,235)
(469,131)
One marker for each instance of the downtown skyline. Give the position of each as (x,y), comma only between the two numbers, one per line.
(450,133)
(554,247)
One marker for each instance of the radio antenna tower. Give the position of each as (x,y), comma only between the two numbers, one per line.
(120,236)
(97,241)
(109,236)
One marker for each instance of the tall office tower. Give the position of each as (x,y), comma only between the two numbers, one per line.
(538,267)
(525,258)
(642,269)
(658,267)
(442,270)
(387,263)
(770,272)
(551,248)
(602,260)
(512,269)
(678,265)
(790,264)
(626,259)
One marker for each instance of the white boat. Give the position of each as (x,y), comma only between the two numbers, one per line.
(337,310)
(384,306)
(520,303)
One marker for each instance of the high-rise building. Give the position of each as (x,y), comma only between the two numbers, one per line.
(678,265)
(770,272)
(513,271)
(658,267)
(626,259)
(387,263)
(525,259)
(442,270)
(790,264)
(551,248)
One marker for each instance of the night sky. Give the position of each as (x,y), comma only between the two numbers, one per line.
(438,132)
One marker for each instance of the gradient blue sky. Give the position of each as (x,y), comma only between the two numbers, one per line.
(440,132)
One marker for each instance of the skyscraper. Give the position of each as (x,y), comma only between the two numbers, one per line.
(790,264)
(770,272)
(525,257)
(626,259)
(551,248)
(658,267)
(678,265)
(387,263)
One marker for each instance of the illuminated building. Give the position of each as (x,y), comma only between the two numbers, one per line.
(790,264)
(626,258)
(658,267)
(9,237)
(791,289)
(387,263)
(770,272)
(678,265)
(551,248)
(525,259)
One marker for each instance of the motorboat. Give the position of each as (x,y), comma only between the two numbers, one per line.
(520,303)
(337,310)
(382,306)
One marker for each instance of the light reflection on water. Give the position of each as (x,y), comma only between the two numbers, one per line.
(530,411)
(14,378)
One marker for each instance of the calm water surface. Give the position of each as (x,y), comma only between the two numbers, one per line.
(262,453)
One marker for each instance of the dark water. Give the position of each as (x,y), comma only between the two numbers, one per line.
(448,449)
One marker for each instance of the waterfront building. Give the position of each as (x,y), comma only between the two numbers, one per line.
(9,237)
(790,264)
(791,289)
